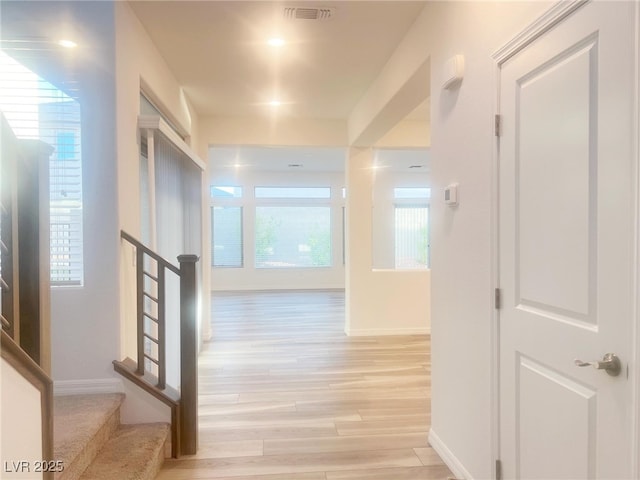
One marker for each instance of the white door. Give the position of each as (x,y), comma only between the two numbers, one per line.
(566,240)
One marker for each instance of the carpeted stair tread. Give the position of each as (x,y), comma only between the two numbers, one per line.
(134,452)
(82,424)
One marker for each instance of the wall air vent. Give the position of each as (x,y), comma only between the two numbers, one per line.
(307,13)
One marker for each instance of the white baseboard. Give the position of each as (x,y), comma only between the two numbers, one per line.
(374,332)
(448,457)
(88,387)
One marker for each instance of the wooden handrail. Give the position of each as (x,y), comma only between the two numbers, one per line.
(185,418)
(31,371)
(141,246)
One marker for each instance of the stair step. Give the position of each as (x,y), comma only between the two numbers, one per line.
(82,424)
(134,452)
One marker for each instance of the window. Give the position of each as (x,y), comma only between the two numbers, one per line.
(226,235)
(412,236)
(293,192)
(36,109)
(226,192)
(288,237)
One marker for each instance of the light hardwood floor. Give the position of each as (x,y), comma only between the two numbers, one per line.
(285,395)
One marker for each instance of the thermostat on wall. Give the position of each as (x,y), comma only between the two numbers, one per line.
(451,195)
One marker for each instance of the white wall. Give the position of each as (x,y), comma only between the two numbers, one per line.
(20,423)
(400,87)
(250,278)
(414,133)
(461,151)
(383,302)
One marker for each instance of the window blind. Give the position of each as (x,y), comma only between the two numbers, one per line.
(37,109)
(412,236)
(226,233)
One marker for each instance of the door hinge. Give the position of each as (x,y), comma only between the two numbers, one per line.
(497,299)
(497,124)
(498,470)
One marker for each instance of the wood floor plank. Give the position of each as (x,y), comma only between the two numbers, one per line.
(239,408)
(367,406)
(216,399)
(285,395)
(226,449)
(439,472)
(296,463)
(202,474)
(327,429)
(377,427)
(276,418)
(339,394)
(417,441)
(428,456)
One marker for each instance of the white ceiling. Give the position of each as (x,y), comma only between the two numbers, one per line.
(218,51)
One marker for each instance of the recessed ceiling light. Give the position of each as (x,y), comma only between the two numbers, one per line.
(67,43)
(276,42)
(275,103)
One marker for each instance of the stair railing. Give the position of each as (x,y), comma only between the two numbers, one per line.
(183,404)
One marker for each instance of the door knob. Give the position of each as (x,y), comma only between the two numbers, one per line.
(610,363)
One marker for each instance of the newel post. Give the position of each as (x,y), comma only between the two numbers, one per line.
(188,355)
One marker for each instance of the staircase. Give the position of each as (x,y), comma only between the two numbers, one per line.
(93,445)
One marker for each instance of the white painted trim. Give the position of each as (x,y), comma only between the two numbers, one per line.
(494,340)
(448,457)
(635,348)
(375,332)
(538,27)
(151,194)
(534,30)
(87,387)
(155,122)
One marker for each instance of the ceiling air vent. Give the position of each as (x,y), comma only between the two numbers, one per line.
(306,13)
